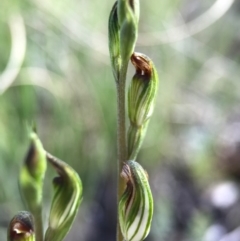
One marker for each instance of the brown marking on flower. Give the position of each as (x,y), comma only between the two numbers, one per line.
(126,172)
(142,64)
(21,226)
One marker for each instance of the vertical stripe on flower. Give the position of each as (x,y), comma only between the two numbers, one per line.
(136,203)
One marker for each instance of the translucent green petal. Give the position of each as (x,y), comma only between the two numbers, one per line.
(128,17)
(31,181)
(114,42)
(66,200)
(136,203)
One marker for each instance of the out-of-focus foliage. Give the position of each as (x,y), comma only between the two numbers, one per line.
(55,70)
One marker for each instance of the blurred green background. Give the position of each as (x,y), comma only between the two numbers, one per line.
(55,70)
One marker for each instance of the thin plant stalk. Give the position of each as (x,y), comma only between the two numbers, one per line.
(121,136)
(122,27)
(38,224)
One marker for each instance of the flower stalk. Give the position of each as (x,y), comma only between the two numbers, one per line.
(123,29)
(121,136)
(123,32)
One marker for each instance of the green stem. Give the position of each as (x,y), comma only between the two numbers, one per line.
(38,224)
(121,136)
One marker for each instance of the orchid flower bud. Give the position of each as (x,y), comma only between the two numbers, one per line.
(141,100)
(21,227)
(143,89)
(66,200)
(33,172)
(31,181)
(128,17)
(114,42)
(136,204)
(126,7)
